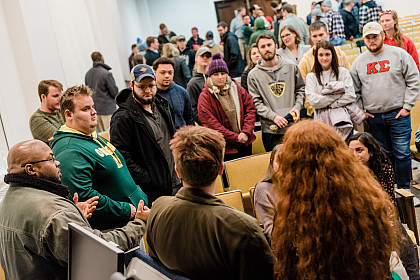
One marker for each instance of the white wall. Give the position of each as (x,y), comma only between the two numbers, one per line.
(181,16)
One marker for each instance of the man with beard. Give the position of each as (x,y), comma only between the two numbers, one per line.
(231,52)
(277,88)
(141,129)
(47,118)
(386,80)
(36,210)
(176,95)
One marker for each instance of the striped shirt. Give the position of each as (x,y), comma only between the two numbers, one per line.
(44,124)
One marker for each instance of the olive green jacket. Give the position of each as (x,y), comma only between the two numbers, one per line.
(198,235)
(34,232)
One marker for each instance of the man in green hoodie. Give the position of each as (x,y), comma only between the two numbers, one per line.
(259,29)
(92,166)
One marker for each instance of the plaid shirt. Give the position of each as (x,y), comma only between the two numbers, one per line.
(368,14)
(335,24)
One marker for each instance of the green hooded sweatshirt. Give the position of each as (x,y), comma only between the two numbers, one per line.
(92,166)
(259,29)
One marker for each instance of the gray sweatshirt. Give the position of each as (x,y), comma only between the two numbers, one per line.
(276,91)
(386,81)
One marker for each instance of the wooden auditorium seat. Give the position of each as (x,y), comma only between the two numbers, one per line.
(243,173)
(257,145)
(415,122)
(232,198)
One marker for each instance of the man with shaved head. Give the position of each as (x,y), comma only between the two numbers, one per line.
(36,210)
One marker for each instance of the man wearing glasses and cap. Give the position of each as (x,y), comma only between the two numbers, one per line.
(141,129)
(386,81)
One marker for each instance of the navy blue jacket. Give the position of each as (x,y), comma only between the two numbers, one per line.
(150,57)
(180,102)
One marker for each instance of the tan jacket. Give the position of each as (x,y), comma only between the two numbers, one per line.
(196,234)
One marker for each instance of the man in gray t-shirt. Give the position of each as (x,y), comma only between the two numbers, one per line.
(386,81)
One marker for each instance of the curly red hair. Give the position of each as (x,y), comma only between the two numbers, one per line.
(333,220)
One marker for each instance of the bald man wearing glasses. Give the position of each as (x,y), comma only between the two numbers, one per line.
(36,210)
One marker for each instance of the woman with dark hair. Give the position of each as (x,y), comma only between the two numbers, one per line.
(253,55)
(333,219)
(394,36)
(265,198)
(290,46)
(329,88)
(367,150)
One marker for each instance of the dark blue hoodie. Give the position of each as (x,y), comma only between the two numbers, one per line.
(180,102)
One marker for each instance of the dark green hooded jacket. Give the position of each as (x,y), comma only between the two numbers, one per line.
(259,29)
(92,166)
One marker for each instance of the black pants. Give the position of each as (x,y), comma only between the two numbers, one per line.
(271,140)
(243,151)
(408,254)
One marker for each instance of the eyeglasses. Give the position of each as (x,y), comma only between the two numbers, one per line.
(52,159)
(385,12)
(144,87)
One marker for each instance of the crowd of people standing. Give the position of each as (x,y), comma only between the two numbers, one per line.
(326,204)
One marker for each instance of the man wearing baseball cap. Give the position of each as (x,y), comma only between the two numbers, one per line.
(386,81)
(141,129)
(196,84)
(184,52)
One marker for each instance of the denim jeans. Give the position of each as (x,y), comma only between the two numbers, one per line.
(337,41)
(394,136)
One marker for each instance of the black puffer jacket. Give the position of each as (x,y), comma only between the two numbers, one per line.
(194,88)
(351,28)
(232,54)
(132,135)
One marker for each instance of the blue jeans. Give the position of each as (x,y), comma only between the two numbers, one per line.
(394,136)
(337,41)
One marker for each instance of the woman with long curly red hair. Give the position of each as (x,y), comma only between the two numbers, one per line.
(334,221)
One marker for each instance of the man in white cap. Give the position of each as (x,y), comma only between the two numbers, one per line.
(386,81)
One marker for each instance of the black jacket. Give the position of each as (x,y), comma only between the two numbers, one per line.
(189,56)
(194,88)
(150,57)
(163,40)
(132,135)
(193,44)
(182,73)
(232,54)
(351,28)
(101,81)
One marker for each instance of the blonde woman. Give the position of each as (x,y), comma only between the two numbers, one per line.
(182,73)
